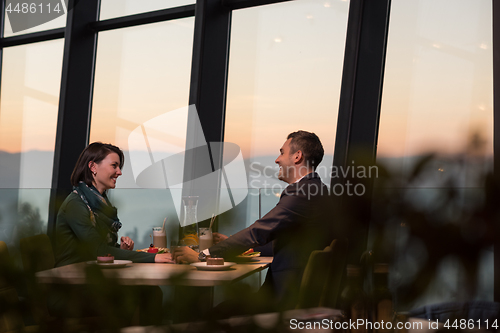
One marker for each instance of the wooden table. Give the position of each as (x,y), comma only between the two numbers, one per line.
(155,274)
(193,292)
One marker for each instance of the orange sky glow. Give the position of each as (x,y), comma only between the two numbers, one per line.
(283,76)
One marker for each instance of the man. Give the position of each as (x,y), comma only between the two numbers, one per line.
(296,226)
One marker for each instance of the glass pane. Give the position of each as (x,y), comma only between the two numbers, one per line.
(138,78)
(438,88)
(142,209)
(118,8)
(51,15)
(437,98)
(31,79)
(284,75)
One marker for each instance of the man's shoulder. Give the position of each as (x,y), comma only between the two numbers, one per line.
(309,186)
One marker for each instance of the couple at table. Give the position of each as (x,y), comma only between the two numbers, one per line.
(87,223)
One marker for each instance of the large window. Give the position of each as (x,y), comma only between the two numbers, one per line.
(438,87)
(284,75)
(141,73)
(31,79)
(438,98)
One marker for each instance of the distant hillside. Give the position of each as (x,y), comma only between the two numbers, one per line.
(32,169)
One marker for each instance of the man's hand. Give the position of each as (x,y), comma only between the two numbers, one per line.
(165,258)
(185,255)
(218,237)
(126,243)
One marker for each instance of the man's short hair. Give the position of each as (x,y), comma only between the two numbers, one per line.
(309,144)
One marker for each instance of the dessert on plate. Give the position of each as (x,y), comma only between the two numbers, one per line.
(107,259)
(215,261)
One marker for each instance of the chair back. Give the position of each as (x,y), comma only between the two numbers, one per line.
(338,249)
(10,318)
(36,253)
(322,276)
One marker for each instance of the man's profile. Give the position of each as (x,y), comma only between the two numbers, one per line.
(296,226)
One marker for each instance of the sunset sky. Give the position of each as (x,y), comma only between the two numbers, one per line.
(284,74)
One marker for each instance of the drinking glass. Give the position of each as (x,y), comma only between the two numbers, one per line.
(159,237)
(175,246)
(206,239)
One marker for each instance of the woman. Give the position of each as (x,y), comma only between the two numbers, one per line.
(87,224)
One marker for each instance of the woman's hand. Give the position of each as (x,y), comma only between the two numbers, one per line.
(185,255)
(218,237)
(165,258)
(126,243)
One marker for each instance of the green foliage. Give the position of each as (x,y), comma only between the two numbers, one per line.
(417,227)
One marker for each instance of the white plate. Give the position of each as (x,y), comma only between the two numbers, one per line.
(202,266)
(248,258)
(116,264)
(243,260)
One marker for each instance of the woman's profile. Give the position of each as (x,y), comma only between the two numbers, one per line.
(87,223)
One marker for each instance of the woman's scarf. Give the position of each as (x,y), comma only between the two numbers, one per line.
(102,214)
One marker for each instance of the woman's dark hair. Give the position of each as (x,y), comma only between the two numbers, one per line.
(94,152)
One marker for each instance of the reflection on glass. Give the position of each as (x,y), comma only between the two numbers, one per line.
(438,87)
(23,213)
(117,8)
(142,209)
(284,75)
(59,22)
(31,78)
(438,97)
(141,73)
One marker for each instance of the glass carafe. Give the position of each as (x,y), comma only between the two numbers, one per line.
(189,222)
